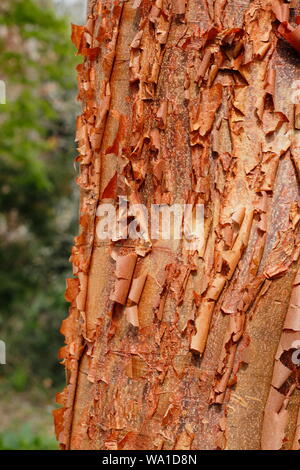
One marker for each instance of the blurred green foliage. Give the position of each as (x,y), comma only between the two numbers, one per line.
(26,439)
(38,210)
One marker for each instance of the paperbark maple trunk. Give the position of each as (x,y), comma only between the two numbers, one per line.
(187,101)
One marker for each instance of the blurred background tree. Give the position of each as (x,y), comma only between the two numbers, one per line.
(38,207)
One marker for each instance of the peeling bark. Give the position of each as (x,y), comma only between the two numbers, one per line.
(187,102)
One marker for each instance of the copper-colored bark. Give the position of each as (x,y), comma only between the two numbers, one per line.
(187,102)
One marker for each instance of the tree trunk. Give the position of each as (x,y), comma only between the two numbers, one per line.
(187,101)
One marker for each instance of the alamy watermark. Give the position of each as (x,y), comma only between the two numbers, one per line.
(2,343)
(295,94)
(2,92)
(296,354)
(159,222)
(2,352)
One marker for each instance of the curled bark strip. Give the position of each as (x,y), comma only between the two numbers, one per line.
(229,261)
(296,443)
(276,413)
(124,271)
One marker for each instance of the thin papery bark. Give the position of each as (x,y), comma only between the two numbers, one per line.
(186,102)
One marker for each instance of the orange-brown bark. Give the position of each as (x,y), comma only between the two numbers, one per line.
(187,102)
